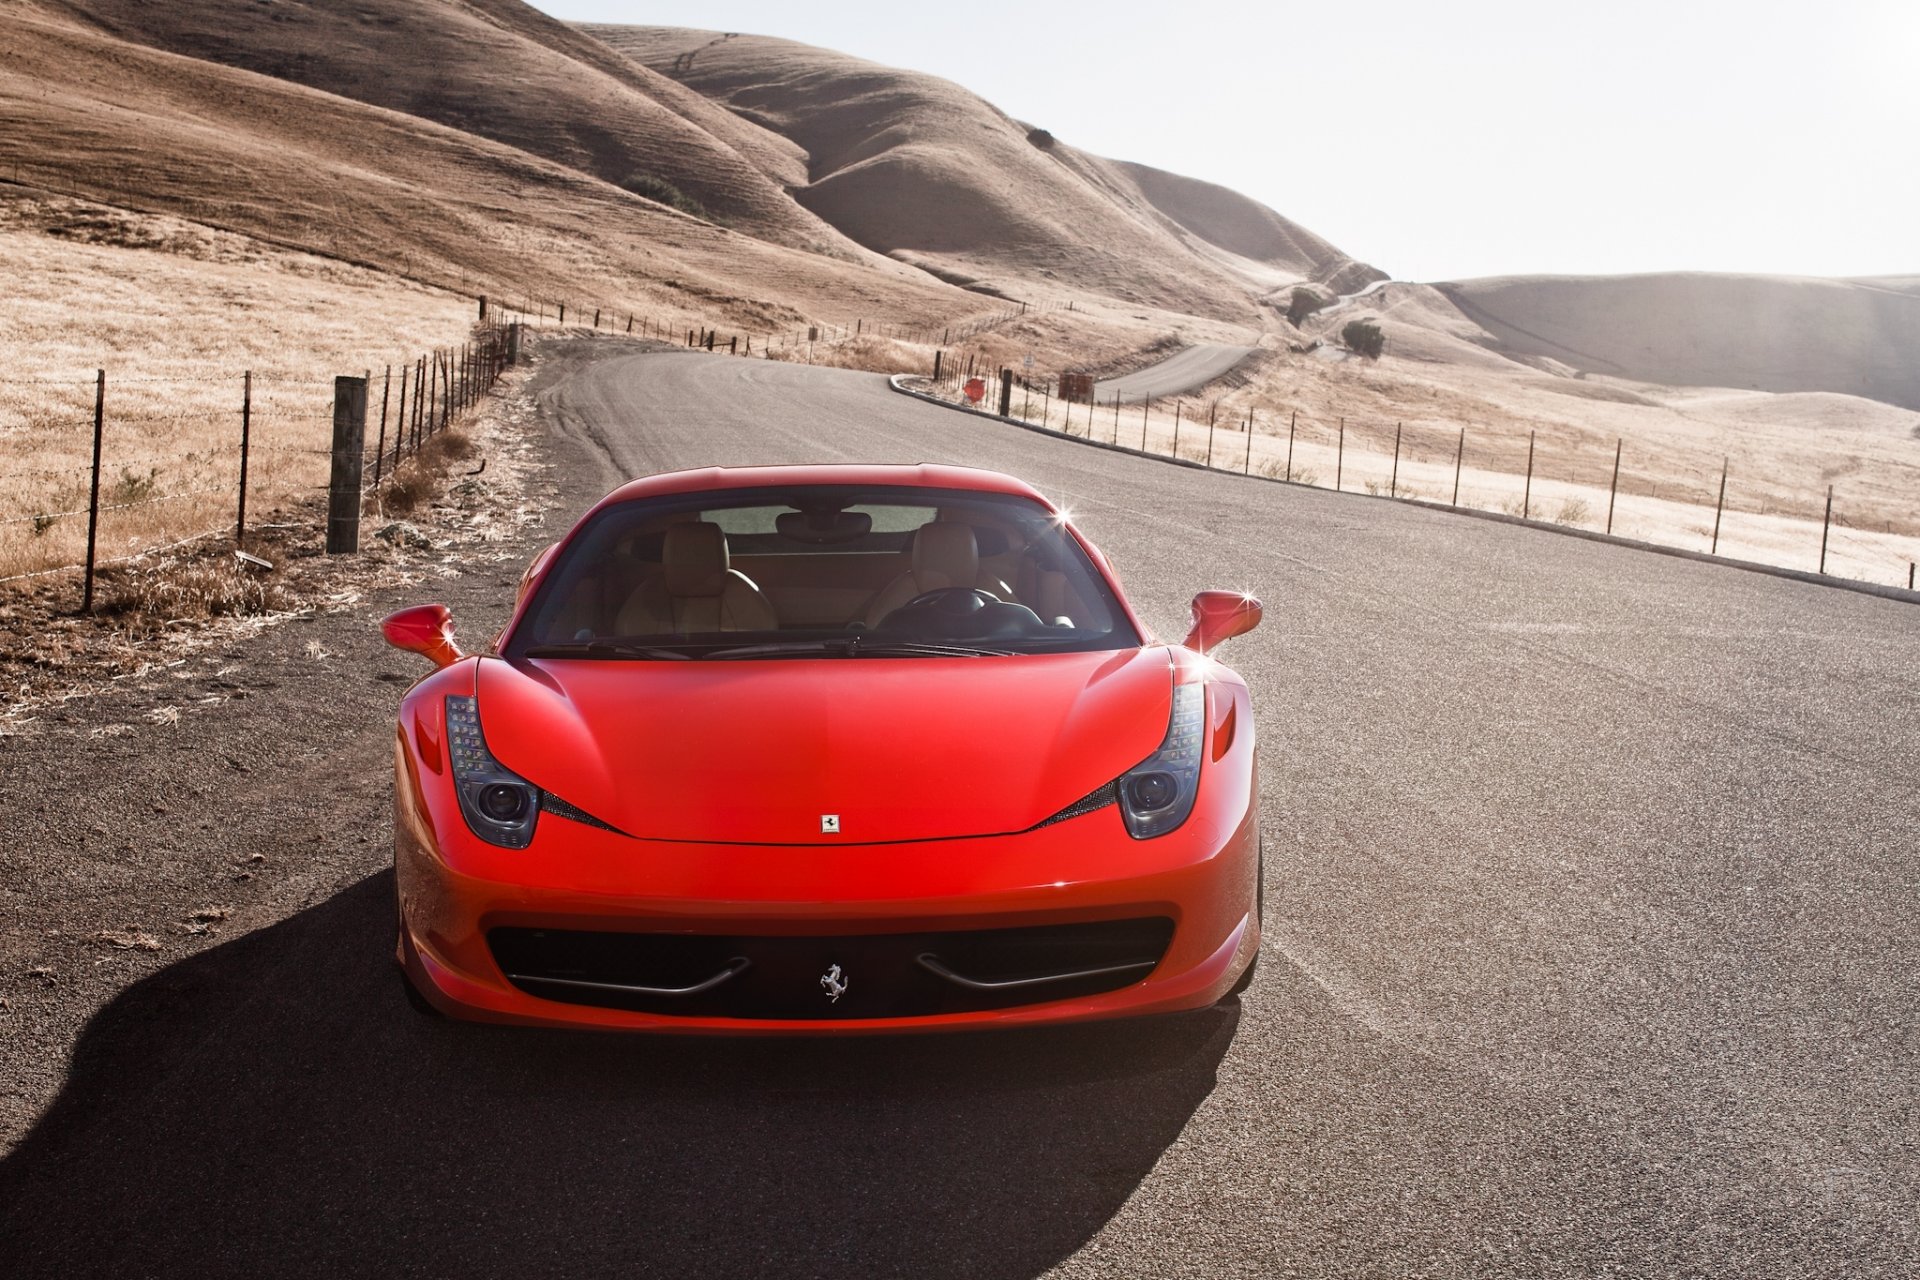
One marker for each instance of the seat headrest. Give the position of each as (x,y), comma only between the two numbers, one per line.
(945,555)
(695,555)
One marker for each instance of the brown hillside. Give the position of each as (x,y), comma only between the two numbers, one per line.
(922,170)
(1770,333)
(504,71)
(83,113)
(1248,229)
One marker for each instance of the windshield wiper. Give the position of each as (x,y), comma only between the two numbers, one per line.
(858,645)
(606,649)
(922,649)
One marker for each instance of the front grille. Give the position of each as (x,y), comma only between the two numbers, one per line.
(885,975)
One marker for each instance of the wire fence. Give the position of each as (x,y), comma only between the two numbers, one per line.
(175,461)
(106,470)
(692,331)
(1868,530)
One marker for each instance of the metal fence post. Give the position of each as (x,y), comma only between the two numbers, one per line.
(1613,490)
(1393,484)
(386,389)
(246,434)
(1209,441)
(1459,453)
(1176,428)
(1720,508)
(93,503)
(1825,525)
(1246,465)
(1340,456)
(343,490)
(1526,495)
(400,418)
(1293,420)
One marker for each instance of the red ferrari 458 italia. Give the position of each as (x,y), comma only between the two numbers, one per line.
(825,749)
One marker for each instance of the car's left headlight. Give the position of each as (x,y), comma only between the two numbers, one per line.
(1157,794)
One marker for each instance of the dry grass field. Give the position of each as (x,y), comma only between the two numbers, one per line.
(176,314)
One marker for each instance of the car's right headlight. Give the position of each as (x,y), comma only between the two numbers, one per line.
(1157,794)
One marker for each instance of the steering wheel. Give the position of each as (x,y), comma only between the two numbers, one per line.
(950,603)
(957,601)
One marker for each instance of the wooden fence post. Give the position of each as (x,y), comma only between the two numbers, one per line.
(343,490)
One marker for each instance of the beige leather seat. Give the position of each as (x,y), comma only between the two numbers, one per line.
(695,591)
(945,554)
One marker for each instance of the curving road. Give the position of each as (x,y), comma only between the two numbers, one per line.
(1179,373)
(1590,951)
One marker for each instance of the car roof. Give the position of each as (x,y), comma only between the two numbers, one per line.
(917,476)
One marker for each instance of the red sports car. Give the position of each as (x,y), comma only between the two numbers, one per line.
(825,749)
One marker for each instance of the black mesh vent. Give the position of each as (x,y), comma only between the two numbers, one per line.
(551,803)
(884,975)
(1088,803)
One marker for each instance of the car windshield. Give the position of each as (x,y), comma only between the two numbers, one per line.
(821,571)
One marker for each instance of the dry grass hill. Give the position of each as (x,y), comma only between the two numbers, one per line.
(1766,333)
(918,168)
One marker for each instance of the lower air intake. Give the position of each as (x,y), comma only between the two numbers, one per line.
(884,975)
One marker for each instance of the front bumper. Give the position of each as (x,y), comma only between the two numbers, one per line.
(795,912)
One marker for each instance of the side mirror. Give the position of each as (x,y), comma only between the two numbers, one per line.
(1221,615)
(425,629)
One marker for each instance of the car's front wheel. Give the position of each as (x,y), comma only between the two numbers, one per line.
(421,1005)
(1245,979)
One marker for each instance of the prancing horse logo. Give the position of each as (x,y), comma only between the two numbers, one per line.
(834,983)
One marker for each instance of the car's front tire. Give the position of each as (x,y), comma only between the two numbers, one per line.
(1245,979)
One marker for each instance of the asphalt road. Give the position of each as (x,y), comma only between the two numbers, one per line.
(1590,951)
(1180,372)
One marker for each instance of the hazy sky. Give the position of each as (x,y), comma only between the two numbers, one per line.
(1440,140)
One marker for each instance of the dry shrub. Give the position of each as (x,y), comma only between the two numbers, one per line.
(144,600)
(415,482)
(868,351)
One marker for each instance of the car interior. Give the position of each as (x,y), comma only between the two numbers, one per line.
(833,561)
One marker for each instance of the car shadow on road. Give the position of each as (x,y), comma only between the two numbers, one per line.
(272,1106)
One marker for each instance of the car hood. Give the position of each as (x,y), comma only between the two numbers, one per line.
(759,752)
